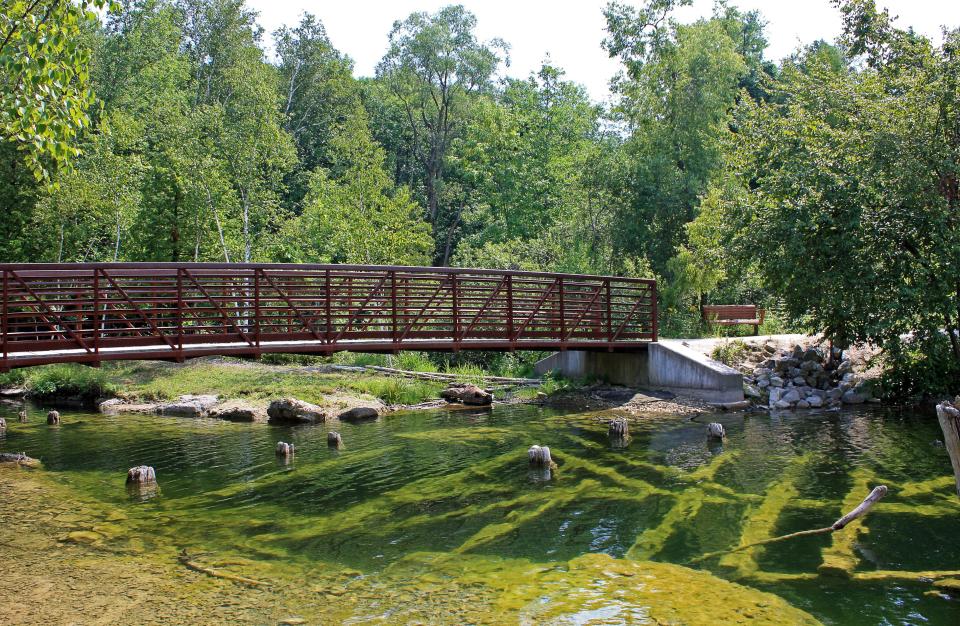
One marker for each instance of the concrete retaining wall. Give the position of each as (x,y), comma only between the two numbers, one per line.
(670,366)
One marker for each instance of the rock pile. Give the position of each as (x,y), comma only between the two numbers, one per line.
(803,378)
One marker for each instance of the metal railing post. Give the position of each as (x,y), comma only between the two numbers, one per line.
(256,306)
(510,309)
(179,314)
(609,313)
(329,334)
(563,321)
(393,299)
(456,312)
(656,316)
(6,299)
(96,315)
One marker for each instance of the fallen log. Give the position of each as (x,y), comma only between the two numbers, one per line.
(861,509)
(190,564)
(18,458)
(948,414)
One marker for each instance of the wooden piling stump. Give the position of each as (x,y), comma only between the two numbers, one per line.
(53,417)
(948,414)
(141,475)
(334,440)
(715,430)
(284,449)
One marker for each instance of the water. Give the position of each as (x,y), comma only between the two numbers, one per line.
(434,516)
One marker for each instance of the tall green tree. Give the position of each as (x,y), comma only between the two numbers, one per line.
(434,65)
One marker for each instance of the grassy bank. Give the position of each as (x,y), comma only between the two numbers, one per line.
(276,376)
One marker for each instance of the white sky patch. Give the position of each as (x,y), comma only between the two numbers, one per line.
(570,31)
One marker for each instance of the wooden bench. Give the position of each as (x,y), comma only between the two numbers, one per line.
(734,315)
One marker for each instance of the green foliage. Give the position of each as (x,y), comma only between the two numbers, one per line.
(729,352)
(414,362)
(922,367)
(68,381)
(46,95)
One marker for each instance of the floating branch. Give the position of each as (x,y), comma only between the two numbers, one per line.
(53,417)
(189,563)
(878,492)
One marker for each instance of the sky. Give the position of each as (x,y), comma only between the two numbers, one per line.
(570,31)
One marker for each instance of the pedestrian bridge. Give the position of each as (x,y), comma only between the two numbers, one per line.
(94,312)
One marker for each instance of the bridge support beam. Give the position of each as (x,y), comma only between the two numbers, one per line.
(668,366)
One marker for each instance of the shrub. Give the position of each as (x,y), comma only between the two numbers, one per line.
(281,358)
(921,368)
(414,362)
(13,378)
(729,352)
(68,381)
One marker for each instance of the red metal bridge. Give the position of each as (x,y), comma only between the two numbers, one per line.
(94,312)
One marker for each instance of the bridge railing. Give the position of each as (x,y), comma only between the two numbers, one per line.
(94,312)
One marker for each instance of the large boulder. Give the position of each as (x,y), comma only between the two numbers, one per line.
(467,394)
(359,414)
(239,411)
(188,406)
(293,411)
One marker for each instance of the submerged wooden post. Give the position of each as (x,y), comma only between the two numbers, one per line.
(284,449)
(53,417)
(948,415)
(715,430)
(3,424)
(334,440)
(22,416)
(619,428)
(539,456)
(141,475)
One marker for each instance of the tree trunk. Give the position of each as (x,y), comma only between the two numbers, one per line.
(948,414)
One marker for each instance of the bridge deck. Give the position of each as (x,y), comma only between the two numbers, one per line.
(94,312)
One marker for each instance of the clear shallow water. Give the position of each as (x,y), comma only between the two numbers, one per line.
(447,495)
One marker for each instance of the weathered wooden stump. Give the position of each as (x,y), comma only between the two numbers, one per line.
(3,424)
(141,475)
(22,416)
(334,440)
(53,417)
(948,414)
(284,449)
(618,428)
(539,456)
(715,430)
(467,394)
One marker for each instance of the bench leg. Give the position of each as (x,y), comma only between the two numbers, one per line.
(756,330)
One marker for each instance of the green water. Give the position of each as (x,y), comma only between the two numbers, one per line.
(450,489)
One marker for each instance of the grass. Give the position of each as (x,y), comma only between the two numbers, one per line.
(729,352)
(160,381)
(62,381)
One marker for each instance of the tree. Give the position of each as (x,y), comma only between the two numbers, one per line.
(46,95)
(434,64)
(352,212)
(848,203)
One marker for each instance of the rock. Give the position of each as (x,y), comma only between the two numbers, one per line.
(53,417)
(13,392)
(812,354)
(776,381)
(791,396)
(799,381)
(796,353)
(238,411)
(359,413)
(803,404)
(844,367)
(751,392)
(82,536)
(853,397)
(775,393)
(782,404)
(814,401)
(467,394)
(110,406)
(291,410)
(18,458)
(141,475)
(834,394)
(188,406)
(769,348)
(763,383)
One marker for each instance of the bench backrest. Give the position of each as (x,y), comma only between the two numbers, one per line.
(730,312)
